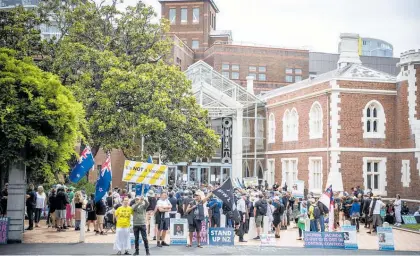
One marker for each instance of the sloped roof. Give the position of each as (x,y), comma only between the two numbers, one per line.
(356,72)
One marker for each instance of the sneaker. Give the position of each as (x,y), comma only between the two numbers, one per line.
(243,241)
(154,238)
(147,252)
(126,253)
(136,252)
(158,244)
(164,244)
(29,228)
(257,238)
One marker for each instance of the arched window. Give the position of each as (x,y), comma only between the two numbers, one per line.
(290,125)
(271,129)
(373,120)
(315,121)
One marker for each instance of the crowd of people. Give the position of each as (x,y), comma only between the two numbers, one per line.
(123,210)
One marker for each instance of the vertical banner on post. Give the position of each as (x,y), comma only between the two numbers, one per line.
(203,234)
(179,231)
(221,236)
(385,239)
(4,229)
(350,237)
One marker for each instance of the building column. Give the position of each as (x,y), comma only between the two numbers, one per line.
(237,145)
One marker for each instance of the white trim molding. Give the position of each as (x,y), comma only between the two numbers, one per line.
(344,149)
(316,117)
(405,173)
(311,180)
(382,174)
(376,118)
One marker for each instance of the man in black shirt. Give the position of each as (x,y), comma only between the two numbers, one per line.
(30,206)
(195,211)
(174,202)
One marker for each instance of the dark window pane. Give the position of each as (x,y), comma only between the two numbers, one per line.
(374,112)
(369,181)
(368,112)
(376,182)
(374,126)
(369,167)
(368,126)
(375,167)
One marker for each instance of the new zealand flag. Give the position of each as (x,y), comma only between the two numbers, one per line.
(104,180)
(85,163)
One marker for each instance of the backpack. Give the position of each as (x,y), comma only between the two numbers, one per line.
(262,208)
(317,212)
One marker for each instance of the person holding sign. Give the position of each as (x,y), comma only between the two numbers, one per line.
(195,211)
(139,222)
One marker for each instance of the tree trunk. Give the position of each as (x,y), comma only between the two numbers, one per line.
(16,201)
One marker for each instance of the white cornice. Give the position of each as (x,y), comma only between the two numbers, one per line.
(344,149)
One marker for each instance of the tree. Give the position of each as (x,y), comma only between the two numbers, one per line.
(40,120)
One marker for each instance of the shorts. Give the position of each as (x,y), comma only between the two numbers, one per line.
(164,224)
(259,221)
(276,220)
(60,214)
(376,220)
(100,219)
(195,227)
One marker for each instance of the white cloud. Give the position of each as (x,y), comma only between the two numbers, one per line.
(317,24)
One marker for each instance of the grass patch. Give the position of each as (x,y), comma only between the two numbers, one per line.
(415,227)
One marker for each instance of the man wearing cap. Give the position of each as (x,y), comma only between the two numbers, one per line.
(241,207)
(139,223)
(195,211)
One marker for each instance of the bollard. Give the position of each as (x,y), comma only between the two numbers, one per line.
(82,226)
(266,227)
(252,228)
(222,220)
(152,226)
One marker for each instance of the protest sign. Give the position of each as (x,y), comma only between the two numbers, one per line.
(203,234)
(179,231)
(4,229)
(267,240)
(250,181)
(385,239)
(350,237)
(409,219)
(221,236)
(298,189)
(146,173)
(327,240)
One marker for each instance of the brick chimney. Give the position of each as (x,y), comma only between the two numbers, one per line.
(348,50)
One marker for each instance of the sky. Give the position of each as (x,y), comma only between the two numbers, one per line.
(316,24)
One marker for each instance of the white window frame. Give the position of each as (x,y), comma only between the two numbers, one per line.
(173,20)
(225,66)
(196,17)
(252,68)
(271,128)
(381,172)
(184,21)
(405,173)
(288,76)
(298,79)
(289,165)
(316,117)
(298,71)
(254,75)
(380,120)
(235,67)
(262,69)
(311,180)
(288,70)
(226,74)
(271,167)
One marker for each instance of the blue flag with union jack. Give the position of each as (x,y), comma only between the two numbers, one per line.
(104,180)
(85,163)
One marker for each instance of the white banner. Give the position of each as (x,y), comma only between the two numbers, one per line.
(139,172)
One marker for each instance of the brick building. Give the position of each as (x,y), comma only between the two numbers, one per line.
(194,23)
(350,126)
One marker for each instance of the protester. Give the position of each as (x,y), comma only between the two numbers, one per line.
(3,200)
(163,206)
(61,200)
(276,186)
(78,206)
(139,222)
(277,215)
(323,210)
(150,211)
(214,207)
(109,200)
(30,206)
(122,236)
(314,215)
(366,210)
(405,210)
(174,204)
(195,211)
(40,204)
(91,213)
(355,213)
(100,210)
(70,207)
(375,212)
(260,210)
(51,219)
(397,209)
(303,215)
(241,207)
(285,201)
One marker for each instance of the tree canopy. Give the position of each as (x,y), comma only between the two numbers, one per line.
(40,119)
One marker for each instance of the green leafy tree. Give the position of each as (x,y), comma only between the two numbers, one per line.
(40,119)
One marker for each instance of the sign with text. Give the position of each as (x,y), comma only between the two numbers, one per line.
(203,234)
(327,240)
(146,173)
(4,229)
(409,219)
(298,188)
(179,231)
(221,236)
(385,239)
(250,181)
(350,237)
(267,240)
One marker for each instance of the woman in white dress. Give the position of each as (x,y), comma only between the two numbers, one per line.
(397,210)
